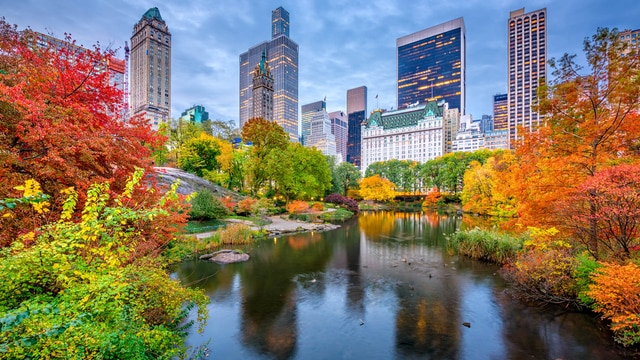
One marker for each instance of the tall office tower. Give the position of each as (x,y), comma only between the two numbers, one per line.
(631,37)
(527,67)
(431,66)
(319,127)
(262,92)
(306,116)
(356,115)
(339,129)
(500,114)
(282,56)
(151,68)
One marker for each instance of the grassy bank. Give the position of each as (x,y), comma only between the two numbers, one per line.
(486,245)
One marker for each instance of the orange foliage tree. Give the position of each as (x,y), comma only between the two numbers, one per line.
(59,124)
(615,291)
(590,122)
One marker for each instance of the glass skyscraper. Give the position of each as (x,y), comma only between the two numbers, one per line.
(356,115)
(500,118)
(282,57)
(431,66)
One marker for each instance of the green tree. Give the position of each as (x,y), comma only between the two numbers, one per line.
(266,137)
(300,172)
(224,130)
(345,176)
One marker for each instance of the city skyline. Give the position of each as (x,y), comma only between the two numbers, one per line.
(342,46)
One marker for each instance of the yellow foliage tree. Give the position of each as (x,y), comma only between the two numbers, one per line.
(377,188)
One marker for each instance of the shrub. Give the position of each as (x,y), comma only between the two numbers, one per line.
(585,268)
(297,207)
(206,206)
(346,202)
(228,203)
(615,292)
(317,206)
(338,215)
(246,206)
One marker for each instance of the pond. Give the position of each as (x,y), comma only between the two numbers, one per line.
(383,286)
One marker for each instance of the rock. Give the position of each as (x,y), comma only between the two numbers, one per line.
(190,183)
(226,257)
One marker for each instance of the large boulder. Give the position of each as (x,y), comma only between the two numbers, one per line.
(192,183)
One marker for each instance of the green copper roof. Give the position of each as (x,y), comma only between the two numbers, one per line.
(405,117)
(152,13)
(263,63)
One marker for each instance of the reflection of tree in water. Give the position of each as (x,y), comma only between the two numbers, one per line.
(214,279)
(269,299)
(377,223)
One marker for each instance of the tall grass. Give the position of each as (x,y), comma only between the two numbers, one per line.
(486,245)
(190,246)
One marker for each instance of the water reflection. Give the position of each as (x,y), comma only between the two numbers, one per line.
(381,286)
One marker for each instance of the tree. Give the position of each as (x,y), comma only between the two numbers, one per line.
(178,133)
(591,122)
(614,192)
(199,154)
(300,172)
(345,176)
(60,125)
(224,130)
(486,187)
(377,188)
(231,162)
(265,137)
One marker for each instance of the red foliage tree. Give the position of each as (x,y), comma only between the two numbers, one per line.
(60,125)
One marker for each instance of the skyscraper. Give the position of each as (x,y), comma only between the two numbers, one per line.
(151,68)
(195,114)
(319,128)
(282,56)
(262,92)
(527,54)
(431,66)
(356,115)
(500,115)
(339,129)
(306,116)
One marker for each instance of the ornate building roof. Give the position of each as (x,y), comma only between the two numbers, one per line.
(152,13)
(405,117)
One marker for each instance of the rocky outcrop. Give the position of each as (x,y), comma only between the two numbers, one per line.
(226,257)
(191,183)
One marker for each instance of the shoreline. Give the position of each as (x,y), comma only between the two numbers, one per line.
(278,226)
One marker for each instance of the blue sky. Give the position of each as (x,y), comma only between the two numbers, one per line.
(343,43)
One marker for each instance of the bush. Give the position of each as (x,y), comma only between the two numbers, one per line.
(246,206)
(228,203)
(486,245)
(317,206)
(615,292)
(585,268)
(297,207)
(346,202)
(206,206)
(338,215)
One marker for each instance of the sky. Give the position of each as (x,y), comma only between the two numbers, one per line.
(343,44)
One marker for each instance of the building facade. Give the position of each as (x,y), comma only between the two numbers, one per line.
(527,59)
(262,92)
(356,115)
(339,129)
(414,133)
(319,128)
(632,38)
(431,66)
(500,114)
(282,56)
(150,68)
(307,111)
(195,114)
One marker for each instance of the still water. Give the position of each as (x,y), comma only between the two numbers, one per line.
(381,287)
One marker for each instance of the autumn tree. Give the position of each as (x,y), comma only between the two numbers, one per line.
(344,177)
(591,122)
(486,186)
(377,188)
(266,138)
(199,154)
(60,125)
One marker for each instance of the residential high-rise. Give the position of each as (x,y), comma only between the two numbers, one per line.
(500,115)
(339,129)
(262,92)
(631,37)
(151,68)
(282,56)
(356,115)
(431,66)
(527,59)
